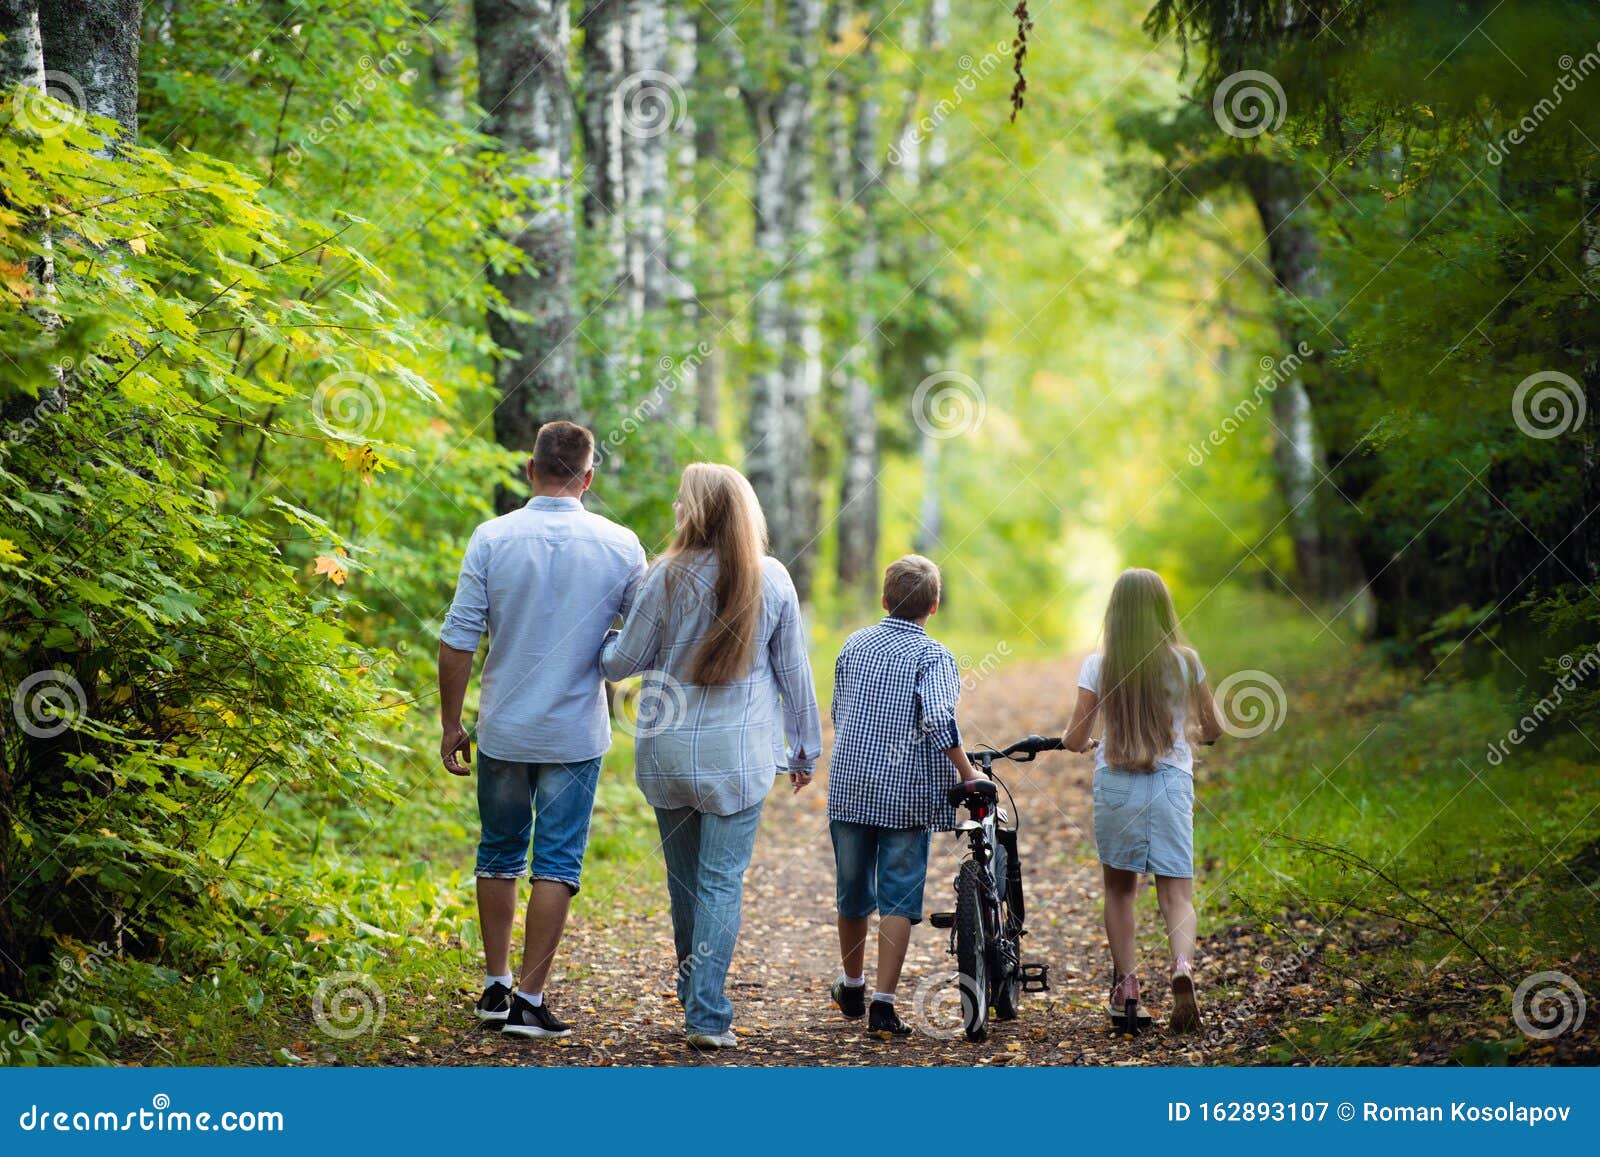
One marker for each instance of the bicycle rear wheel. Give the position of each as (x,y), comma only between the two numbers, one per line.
(972,953)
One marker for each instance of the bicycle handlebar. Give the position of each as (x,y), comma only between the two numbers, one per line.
(1022,751)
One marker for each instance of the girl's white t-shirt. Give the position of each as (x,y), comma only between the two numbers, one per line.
(1180,756)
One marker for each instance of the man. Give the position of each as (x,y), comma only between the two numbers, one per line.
(546,582)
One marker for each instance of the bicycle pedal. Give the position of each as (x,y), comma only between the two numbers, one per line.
(942,919)
(1035,976)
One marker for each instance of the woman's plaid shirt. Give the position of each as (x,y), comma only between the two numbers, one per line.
(894,713)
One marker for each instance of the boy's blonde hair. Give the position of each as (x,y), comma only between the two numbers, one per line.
(911,587)
(1141,666)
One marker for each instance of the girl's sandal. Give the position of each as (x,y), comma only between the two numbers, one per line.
(1126,1015)
(1185,1009)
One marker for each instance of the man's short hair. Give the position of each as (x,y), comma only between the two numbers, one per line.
(562,453)
(911,587)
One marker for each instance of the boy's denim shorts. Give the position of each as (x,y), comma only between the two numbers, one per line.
(551,802)
(879,870)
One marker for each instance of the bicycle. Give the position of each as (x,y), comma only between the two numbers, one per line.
(987,927)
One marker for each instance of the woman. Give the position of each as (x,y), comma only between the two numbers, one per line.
(716,632)
(1150,688)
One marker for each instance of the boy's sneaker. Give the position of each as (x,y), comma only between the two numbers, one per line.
(885,1021)
(495,1003)
(707,1040)
(851,999)
(536,1021)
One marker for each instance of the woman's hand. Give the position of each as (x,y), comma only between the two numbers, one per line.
(799,779)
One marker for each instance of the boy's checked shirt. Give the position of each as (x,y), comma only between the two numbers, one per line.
(894,713)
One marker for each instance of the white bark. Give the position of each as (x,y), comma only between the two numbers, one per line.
(650,107)
(683,64)
(95,43)
(604,178)
(522,85)
(930,518)
(778,454)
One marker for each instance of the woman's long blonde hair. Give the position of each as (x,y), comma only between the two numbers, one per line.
(1140,669)
(718,512)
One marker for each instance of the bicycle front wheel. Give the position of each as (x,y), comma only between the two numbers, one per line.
(972,952)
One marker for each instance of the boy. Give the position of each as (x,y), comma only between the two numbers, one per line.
(896,749)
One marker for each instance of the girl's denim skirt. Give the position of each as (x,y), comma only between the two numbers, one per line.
(1144,820)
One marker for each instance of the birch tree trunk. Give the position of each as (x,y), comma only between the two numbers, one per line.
(523,87)
(21,63)
(649,109)
(96,44)
(708,232)
(778,447)
(683,64)
(930,515)
(858,492)
(604,178)
(444,59)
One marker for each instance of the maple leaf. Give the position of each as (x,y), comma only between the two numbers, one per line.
(331,568)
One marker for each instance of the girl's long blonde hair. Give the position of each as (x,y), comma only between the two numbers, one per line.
(1140,670)
(718,512)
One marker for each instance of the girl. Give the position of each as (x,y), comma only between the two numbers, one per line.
(1150,687)
(716,632)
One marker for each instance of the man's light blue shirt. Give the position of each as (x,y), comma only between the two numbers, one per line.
(545,582)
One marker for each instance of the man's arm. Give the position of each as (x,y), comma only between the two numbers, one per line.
(464,625)
(455,669)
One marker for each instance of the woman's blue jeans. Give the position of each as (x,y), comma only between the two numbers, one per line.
(706,858)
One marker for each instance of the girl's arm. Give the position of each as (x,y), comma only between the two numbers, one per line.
(635,648)
(1076,737)
(1206,702)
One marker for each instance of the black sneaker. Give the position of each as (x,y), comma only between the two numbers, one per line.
(851,999)
(525,1019)
(885,1021)
(495,1002)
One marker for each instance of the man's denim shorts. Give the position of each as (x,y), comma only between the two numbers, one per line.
(879,869)
(511,795)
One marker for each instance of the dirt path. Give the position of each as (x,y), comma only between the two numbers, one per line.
(617,967)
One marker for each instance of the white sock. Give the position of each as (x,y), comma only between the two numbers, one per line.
(886,997)
(854,981)
(533,998)
(506,980)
